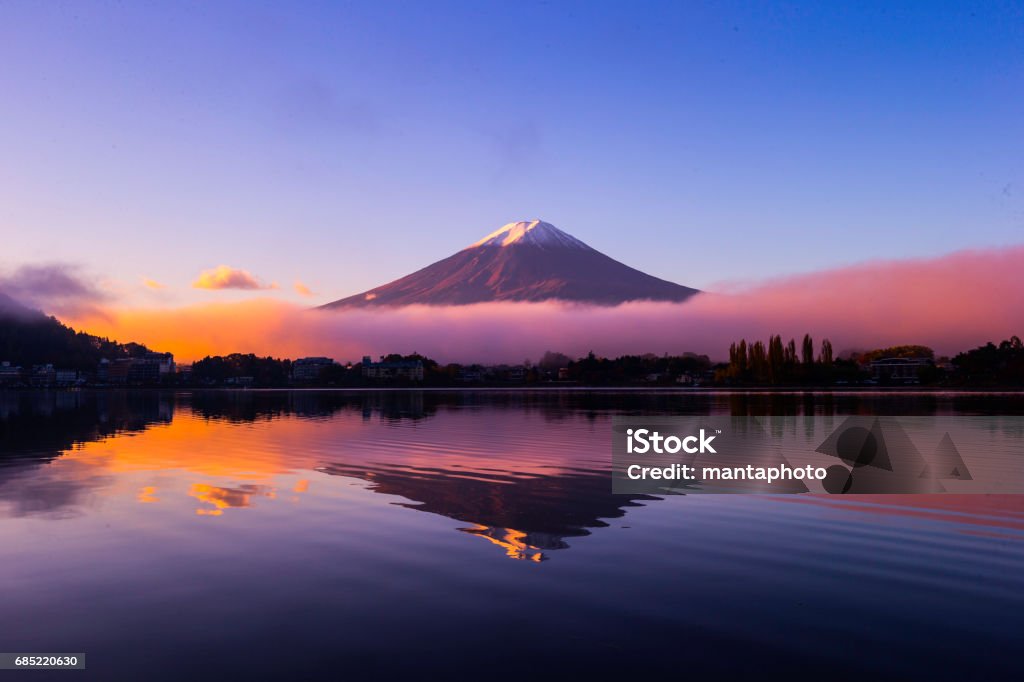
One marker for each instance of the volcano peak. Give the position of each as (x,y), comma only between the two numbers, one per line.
(531,232)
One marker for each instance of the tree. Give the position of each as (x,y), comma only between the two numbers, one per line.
(907,351)
(826,352)
(791,353)
(737,360)
(776,359)
(1001,365)
(757,361)
(808,350)
(552,361)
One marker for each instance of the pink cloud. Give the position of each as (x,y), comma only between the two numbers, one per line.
(303,290)
(951,303)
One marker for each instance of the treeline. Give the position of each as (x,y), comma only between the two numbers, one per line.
(906,351)
(248,369)
(688,368)
(751,363)
(991,365)
(226,369)
(28,337)
(776,363)
(240,369)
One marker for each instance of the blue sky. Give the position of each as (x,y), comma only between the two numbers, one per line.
(346,144)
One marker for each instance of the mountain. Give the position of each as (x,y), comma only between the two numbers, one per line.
(522,261)
(28,337)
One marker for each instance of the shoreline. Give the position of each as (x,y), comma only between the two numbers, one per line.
(753,390)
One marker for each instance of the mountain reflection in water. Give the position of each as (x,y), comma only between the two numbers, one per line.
(485,458)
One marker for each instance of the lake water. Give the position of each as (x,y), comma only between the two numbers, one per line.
(355,535)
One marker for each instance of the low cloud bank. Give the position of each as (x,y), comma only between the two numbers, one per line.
(951,303)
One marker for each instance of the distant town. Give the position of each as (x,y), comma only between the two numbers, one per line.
(751,364)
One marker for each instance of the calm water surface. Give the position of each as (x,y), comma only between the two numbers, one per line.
(354,535)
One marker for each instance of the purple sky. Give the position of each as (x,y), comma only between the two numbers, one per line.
(344,145)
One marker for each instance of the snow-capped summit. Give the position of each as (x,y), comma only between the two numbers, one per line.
(522,261)
(533,232)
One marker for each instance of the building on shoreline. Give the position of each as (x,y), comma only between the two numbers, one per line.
(39,376)
(904,370)
(151,368)
(309,369)
(10,374)
(410,370)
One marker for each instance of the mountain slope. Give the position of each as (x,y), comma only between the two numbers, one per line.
(522,261)
(28,337)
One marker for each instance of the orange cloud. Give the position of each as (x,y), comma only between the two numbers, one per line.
(153,284)
(302,289)
(224,277)
(951,303)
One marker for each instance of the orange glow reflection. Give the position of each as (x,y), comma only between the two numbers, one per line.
(148,495)
(511,540)
(229,464)
(227,498)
